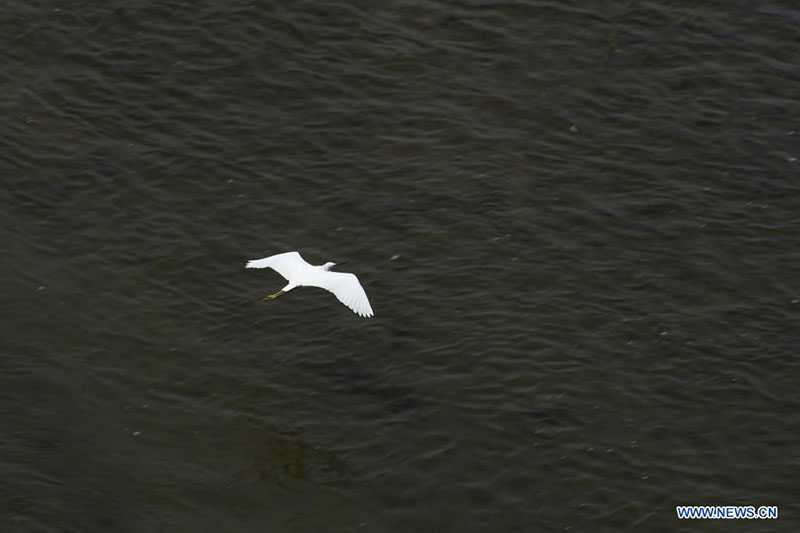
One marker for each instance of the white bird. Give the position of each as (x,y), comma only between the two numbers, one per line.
(298,273)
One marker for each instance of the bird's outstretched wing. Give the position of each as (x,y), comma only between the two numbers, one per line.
(346,287)
(284,264)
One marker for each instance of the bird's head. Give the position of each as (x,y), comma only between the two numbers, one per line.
(329,265)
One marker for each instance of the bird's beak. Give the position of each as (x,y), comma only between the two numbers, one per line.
(342,263)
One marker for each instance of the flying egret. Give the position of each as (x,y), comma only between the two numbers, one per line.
(298,273)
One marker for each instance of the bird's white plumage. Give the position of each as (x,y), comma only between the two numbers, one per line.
(344,285)
(286,264)
(347,289)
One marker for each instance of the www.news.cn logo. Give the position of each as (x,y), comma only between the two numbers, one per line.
(726,512)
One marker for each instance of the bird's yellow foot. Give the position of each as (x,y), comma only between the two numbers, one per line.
(273,296)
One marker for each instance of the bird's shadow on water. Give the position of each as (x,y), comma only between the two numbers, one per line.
(349,377)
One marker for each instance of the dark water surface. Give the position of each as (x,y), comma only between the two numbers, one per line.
(578,224)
